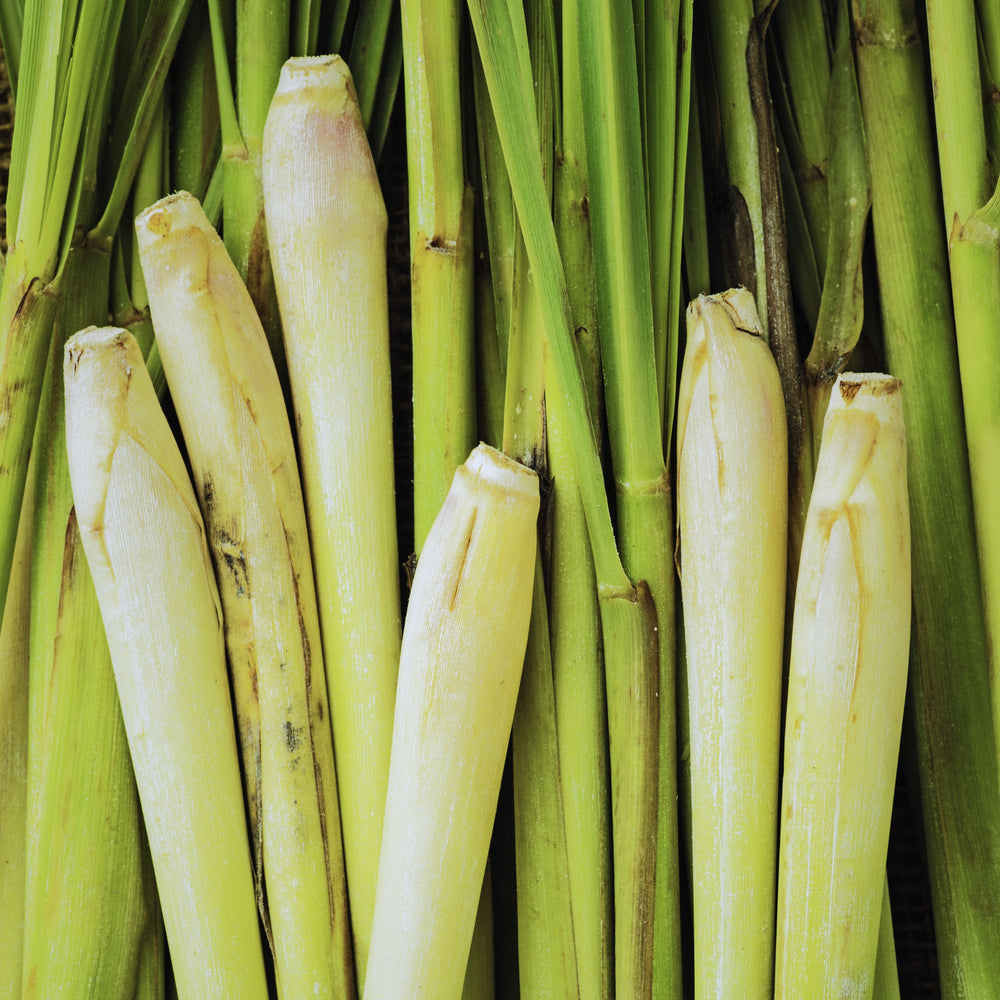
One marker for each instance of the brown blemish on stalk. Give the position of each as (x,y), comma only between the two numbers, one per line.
(738,253)
(9,397)
(460,568)
(410,569)
(293,737)
(159,223)
(780,316)
(22,305)
(333,886)
(848,390)
(71,547)
(232,555)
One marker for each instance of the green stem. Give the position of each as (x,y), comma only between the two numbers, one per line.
(369,45)
(949,684)
(729,28)
(886,971)
(800,33)
(194,109)
(841,310)
(645,965)
(697,272)
(441,273)
(973,229)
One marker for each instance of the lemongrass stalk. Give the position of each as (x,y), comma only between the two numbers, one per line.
(729,25)
(145,545)
(327,229)
(667,72)
(136,106)
(803,268)
(754,200)
(262,37)
(50,122)
(581,717)
(547,964)
(304,34)
(262,46)
(369,43)
(14,644)
(972,223)
(695,224)
(336,22)
(84,861)
(225,390)
(645,964)
(571,213)
(194,109)
(11,30)
(628,614)
(732,519)
(490,363)
(841,309)
(577,661)
(150,182)
(389,81)
(65,75)
(464,642)
(988,21)
(802,41)
(151,974)
(441,284)
(846,689)
(150,979)
(949,680)
(886,982)
(499,223)
(546,948)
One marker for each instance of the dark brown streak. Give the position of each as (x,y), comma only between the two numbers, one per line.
(331,886)
(460,570)
(780,316)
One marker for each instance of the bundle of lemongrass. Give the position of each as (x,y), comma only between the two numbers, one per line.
(534,783)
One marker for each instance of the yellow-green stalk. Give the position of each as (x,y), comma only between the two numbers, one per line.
(14,621)
(441,275)
(732,514)
(327,229)
(463,647)
(145,545)
(225,388)
(846,689)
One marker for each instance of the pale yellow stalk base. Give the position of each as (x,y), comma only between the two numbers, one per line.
(847,681)
(732,515)
(463,648)
(326,224)
(226,392)
(145,546)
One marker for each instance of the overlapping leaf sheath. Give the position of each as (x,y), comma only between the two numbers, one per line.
(225,389)
(145,545)
(847,681)
(463,647)
(327,228)
(14,754)
(732,520)
(86,852)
